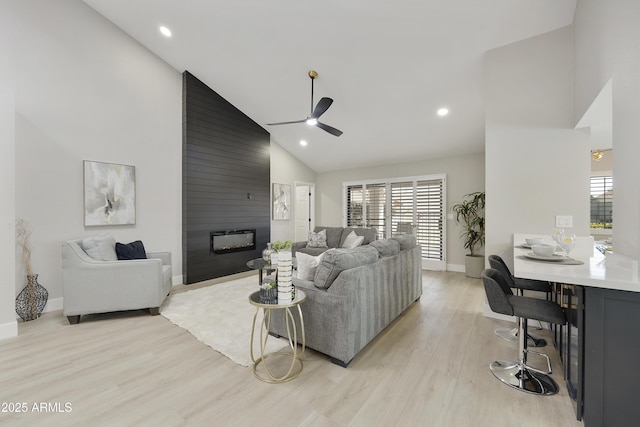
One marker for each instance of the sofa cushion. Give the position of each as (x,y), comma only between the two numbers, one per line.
(386,247)
(334,235)
(307,265)
(407,241)
(317,240)
(370,234)
(352,241)
(133,250)
(338,259)
(101,247)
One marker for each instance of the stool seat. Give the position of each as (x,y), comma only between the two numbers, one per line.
(501,299)
(537,309)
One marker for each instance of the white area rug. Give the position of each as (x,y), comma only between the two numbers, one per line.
(220,316)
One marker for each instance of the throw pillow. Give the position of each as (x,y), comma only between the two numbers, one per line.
(307,265)
(101,247)
(317,240)
(352,241)
(133,250)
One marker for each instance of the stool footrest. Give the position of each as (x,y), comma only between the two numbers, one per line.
(520,377)
(537,353)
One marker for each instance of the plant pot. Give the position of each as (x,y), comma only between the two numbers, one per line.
(473,265)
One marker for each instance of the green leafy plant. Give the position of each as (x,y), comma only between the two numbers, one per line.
(279,245)
(470,215)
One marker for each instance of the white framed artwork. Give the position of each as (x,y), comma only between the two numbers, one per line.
(109,194)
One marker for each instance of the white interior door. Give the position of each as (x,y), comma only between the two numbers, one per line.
(303,212)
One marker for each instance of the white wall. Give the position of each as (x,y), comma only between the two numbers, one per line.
(84,90)
(8,325)
(465,174)
(286,169)
(606,46)
(537,166)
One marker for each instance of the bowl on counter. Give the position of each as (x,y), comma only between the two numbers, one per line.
(543,250)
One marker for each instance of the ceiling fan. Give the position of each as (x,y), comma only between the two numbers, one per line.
(312,119)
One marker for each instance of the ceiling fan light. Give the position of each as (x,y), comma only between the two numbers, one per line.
(443,112)
(311,121)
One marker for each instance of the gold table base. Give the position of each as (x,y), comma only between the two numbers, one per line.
(296,365)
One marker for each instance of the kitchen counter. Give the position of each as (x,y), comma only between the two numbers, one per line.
(611,271)
(600,344)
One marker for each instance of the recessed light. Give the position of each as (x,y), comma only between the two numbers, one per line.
(443,112)
(303,142)
(311,121)
(165,31)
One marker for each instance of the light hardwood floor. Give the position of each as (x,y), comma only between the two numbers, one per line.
(428,368)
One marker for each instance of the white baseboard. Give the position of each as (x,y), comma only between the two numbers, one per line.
(54,305)
(9,330)
(176,280)
(458,268)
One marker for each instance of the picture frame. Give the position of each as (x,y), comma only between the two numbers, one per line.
(109,194)
(281,202)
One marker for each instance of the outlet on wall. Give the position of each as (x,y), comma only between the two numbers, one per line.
(564,221)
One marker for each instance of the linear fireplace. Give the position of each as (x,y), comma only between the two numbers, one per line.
(227,241)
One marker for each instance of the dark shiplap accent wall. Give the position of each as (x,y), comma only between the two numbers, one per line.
(225,181)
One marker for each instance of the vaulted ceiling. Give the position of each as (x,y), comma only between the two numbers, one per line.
(389,66)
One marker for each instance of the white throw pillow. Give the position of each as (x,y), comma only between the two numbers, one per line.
(307,265)
(101,247)
(352,240)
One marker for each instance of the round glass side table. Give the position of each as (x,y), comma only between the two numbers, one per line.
(295,367)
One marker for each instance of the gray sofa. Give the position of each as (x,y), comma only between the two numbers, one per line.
(355,294)
(335,238)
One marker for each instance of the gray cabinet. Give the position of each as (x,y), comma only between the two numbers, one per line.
(611,357)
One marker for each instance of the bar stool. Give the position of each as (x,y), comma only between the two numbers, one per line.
(521,285)
(520,375)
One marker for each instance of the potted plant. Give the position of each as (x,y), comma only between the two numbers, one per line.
(470,215)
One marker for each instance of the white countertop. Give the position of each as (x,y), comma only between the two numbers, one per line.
(612,271)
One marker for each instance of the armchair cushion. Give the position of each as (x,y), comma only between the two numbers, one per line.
(100,247)
(133,250)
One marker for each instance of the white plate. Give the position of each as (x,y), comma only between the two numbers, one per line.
(554,257)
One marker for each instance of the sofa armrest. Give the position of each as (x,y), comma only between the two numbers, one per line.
(297,246)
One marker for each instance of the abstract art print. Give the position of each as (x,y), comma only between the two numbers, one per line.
(281,201)
(109,194)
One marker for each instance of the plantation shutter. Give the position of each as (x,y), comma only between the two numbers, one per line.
(430,210)
(353,203)
(402,208)
(413,205)
(376,207)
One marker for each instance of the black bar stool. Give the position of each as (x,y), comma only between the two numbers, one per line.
(518,374)
(521,285)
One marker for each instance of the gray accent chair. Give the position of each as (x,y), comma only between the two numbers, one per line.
(91,286)
(518,374)
(335,238)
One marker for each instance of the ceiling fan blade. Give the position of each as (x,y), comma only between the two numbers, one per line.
(286,123)
(327,128)
(322,106)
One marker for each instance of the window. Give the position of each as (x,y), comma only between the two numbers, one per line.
(405,205)
(602,202)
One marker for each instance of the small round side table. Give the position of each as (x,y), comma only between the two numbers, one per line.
(296,356)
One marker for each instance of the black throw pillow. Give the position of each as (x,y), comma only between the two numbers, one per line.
(133,250)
